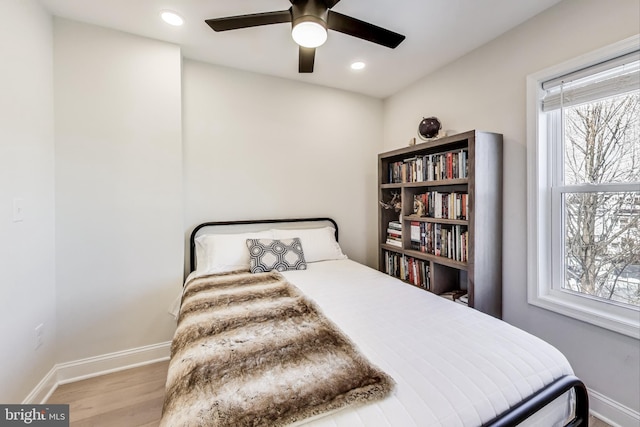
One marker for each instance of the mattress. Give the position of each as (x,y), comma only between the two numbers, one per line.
(453,366)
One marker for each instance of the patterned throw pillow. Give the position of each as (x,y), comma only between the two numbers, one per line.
(281,255)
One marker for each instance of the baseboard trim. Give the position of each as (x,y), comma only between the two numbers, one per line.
(90,367)
(43,390)
(113,362)
(612,412)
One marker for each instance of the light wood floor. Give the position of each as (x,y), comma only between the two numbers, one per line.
(130,398)
(127,398)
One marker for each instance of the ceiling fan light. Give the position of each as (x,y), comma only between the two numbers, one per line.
(172,18)
(309,34)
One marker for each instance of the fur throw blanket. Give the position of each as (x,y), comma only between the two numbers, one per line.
(252,350)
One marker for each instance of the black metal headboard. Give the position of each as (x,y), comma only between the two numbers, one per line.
(212,225)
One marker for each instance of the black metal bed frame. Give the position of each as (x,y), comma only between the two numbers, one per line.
(538,400)
(511,417)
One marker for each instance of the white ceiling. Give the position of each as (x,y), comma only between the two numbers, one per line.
(437,32)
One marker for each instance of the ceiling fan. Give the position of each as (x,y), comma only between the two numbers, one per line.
(310,20)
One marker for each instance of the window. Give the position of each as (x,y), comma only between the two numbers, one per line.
(584,188)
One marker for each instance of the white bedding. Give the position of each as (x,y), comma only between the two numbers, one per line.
(453,366)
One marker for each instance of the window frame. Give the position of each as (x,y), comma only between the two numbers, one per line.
(545,261)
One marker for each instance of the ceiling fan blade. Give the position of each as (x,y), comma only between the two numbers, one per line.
(252,20)
(330,3)
(363,30)
(306,58)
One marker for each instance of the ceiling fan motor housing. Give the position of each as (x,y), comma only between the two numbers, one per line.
(309,11)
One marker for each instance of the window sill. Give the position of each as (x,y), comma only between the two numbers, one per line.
(623,320)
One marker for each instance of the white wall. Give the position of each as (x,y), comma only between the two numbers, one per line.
(27,262)
(119,222)
(121,181)
(262,147)
(485,90)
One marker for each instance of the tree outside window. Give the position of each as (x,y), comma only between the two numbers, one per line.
(583,187)
(601,198)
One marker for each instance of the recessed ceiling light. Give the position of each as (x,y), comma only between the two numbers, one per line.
(359,65)
(172,18)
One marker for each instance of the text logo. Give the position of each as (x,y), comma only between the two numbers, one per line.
(34,415)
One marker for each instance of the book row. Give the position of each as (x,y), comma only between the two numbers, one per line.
(407,268)
(430,167)
(449,241)
(394,234)
(435,204)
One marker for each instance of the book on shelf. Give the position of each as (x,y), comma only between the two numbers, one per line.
(408,269)
(418,272)
(444,205)
(430,167)
(394,242)
(392,263)
(445,240)
(453,295)
(396,225)
(415,235)
(463,299)
(394,234)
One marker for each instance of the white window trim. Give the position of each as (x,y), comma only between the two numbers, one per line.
(539,209)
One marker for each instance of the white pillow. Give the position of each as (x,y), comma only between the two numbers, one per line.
(219,253)
(318,244)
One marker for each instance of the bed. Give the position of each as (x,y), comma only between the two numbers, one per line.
(427,361)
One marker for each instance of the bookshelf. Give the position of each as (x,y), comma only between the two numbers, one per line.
(446,236)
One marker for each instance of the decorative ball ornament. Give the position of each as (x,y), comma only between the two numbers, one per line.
(429,128)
